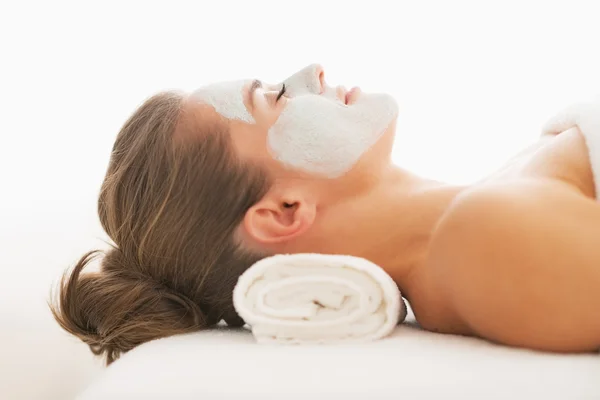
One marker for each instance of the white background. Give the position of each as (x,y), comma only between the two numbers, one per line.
(475,81)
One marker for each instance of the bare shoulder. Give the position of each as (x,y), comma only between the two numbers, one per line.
(518,260)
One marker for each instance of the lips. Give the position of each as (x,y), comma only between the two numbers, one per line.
(352,95)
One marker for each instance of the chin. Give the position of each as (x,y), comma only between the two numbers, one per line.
(393,104)
(382,105)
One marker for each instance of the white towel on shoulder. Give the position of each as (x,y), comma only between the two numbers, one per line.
(318,298)
(586,116)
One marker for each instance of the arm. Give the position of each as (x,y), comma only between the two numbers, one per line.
(520,263)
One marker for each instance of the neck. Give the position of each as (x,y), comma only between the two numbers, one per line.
(390,223)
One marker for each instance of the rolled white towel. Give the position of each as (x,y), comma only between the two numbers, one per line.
(318,298)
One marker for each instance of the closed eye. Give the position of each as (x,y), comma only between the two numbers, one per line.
(281,93)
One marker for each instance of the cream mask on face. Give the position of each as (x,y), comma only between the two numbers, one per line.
(227,98)
(316,132)
(321,134)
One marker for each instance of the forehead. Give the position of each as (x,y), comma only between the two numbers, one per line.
(227,98)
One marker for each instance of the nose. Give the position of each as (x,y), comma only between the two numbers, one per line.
(309,80)
(320,73)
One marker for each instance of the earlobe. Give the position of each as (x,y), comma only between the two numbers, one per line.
(271,222)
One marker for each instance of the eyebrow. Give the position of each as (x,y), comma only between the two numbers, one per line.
(255,85)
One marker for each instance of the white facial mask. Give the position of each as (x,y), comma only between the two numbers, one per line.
(322,135)
(315,132)
(227,99)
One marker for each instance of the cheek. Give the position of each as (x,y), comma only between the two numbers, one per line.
(326,138)
(304,138)
(249,141)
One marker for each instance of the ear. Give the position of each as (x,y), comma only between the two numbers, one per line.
(277,219)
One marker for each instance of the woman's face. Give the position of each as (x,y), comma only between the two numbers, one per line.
(304,125)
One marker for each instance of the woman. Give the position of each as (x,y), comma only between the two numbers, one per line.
(202,185)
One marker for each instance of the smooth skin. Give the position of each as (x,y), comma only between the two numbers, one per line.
(514,259)
(517,258)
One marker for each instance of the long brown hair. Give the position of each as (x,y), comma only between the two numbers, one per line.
(171,201)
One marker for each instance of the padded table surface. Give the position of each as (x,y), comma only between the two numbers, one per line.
(409,364)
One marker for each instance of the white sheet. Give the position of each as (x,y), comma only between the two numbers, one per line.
(409,364)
